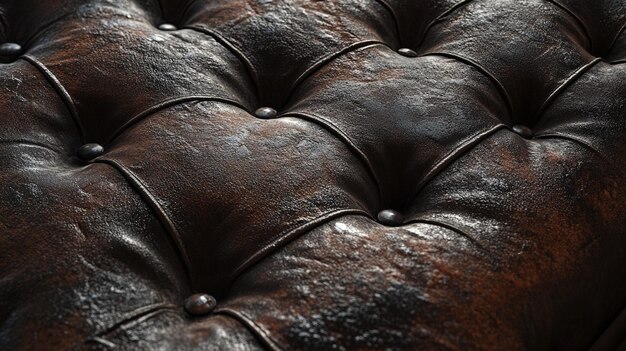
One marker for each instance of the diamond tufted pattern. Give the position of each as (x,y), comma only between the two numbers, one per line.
(299,174)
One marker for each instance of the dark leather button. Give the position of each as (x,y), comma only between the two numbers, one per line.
(90,151)
(523,131)
(407,52)
(266,112)
(168,27)
(390,218)
(9,50)
(200,304)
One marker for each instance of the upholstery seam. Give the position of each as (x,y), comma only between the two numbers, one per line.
(186,9)
(156,208)
(166,104)
(42,29)
(464,147)
(61,91)
(344,138)
(620,315)
(619,33)
(291,234)
(571,139)
(440,17)
(252,73)
(253,327)
(396,21)
(451,228)
(30,143)
(563,86)
(3,24)
(100,341)
(470,62)
(582,24)
(617,62)
(160,3)
(322,62)
(139,315)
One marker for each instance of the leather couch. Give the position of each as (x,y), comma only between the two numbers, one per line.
(300,174)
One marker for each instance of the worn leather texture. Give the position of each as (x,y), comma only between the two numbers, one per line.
(495,128)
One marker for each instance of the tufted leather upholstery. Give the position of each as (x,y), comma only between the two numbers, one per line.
(499,137)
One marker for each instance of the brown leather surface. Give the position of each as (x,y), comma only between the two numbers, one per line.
(500,139)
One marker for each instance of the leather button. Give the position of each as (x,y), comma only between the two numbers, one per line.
(407,52)
(390,218)
(200,304)
(523,131)
(265,113)
(168,27)
(10,50)
(90,151)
